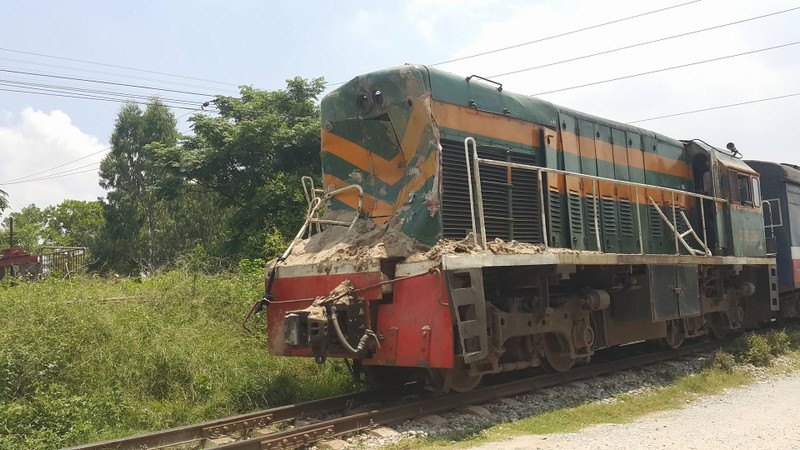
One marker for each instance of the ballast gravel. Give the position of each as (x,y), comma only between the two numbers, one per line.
(709,418)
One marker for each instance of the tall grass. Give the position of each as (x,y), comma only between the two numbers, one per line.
(96,358)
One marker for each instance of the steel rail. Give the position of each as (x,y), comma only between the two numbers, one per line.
(309,434)
(260,419)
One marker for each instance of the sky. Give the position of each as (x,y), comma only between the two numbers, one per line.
(187,52)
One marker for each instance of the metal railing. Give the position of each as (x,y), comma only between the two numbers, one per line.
(315,204)
(673,224)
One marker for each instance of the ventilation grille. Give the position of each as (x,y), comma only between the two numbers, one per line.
(608,215)
(575,216)
(510,196)
(556,222)
(457,222)
(590,214)
(656,224)
(625,217)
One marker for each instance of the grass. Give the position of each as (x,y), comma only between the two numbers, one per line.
(97,358)
(726,370)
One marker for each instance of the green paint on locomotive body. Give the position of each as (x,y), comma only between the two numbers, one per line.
(393,127)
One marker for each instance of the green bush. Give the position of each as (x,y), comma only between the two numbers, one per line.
(779,342)
(724,361)
(752,349)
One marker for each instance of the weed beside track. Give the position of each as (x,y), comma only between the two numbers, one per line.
(94,359)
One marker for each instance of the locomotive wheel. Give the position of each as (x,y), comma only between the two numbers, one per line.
(674,337)
(557,355)
(716,326)
(457,379)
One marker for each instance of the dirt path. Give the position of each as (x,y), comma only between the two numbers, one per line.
(765,415)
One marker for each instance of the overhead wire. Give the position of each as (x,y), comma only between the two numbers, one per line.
(566,33)
(641,44)
(102,72)
(113,83)
(90,97)
(665,69)
(76,89)
(712,108)
(547,38)
(58,166)
(92,167)
(63,58)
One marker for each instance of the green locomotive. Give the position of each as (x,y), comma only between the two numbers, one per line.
(469,231)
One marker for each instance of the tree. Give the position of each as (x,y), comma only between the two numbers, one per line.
(29,228)
(151,215)
(130,176)
(3,201)
(253,155)
(75,223)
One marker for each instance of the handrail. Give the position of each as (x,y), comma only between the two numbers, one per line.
(314,206)
(476,160)
(469,187)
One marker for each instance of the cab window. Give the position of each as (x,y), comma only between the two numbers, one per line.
(756,192)
(745,196)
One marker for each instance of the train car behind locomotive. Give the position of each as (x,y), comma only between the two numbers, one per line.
(781,192)
(462,230)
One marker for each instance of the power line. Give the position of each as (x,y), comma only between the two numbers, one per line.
(54,176)
(75,89)
(680,66)
(567,33)
(89,97)
(712,108)
(114,83)
(547,38)
(116,66)
(101,72)
(57,167)
(675,36)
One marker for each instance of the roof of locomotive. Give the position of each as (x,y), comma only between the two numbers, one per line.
(455,89)
(780,172)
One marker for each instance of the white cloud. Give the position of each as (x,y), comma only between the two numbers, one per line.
(39,141)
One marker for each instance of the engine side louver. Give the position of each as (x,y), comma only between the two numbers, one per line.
(510,196)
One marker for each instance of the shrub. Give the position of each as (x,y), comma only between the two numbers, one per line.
(753,349)
(724,361)
(778,341)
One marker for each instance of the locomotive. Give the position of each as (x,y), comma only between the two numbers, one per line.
(462,230)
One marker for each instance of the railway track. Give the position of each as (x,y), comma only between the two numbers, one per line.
(262,430)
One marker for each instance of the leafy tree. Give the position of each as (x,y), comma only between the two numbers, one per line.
(75,223)
(253,154)
(30,228)
(3,201)
(129,175)
(151,215)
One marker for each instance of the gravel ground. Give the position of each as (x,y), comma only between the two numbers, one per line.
(601,389)
(759,416)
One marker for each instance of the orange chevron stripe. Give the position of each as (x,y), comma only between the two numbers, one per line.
(417,124)
(427,169)
(390,172)
(371,206)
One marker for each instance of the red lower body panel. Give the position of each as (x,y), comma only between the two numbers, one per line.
(416,326)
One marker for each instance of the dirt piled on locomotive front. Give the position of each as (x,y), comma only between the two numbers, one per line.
(367,241)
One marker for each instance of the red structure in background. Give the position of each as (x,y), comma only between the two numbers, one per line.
(14,257)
